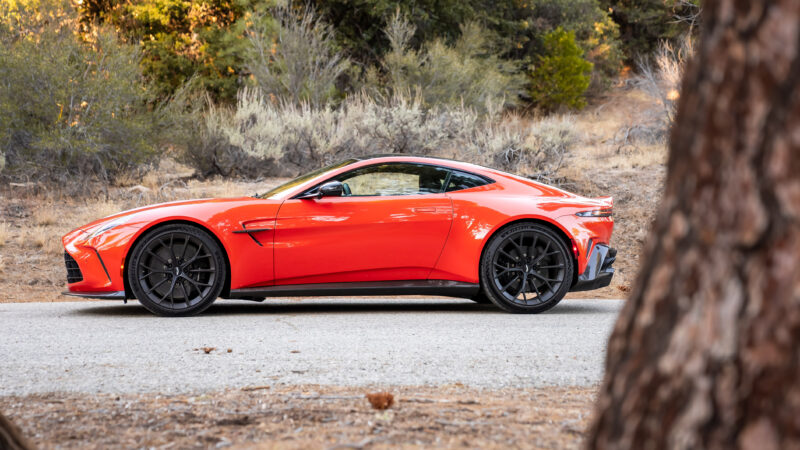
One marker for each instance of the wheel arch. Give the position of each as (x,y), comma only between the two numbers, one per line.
(154,226)
(547,223)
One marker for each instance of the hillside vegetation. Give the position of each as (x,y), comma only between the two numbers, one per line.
(102,90)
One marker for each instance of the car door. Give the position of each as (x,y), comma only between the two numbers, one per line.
(391,224)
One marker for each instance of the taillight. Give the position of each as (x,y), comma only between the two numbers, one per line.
(602,212)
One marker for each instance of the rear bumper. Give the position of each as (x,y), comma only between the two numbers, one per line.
(598,272)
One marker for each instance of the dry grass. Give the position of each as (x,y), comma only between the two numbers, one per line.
(45,216)
(5,233)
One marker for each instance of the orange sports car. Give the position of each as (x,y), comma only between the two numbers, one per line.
(366,226)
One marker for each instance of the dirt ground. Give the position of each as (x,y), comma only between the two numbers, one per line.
(605,162)
(307,417)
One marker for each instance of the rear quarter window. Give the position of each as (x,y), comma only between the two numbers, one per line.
(462,180)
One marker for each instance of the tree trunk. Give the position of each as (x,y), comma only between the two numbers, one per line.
(11,438)
(706,353)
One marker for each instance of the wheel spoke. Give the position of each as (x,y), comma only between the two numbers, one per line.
(532,248)
(158,257)
(197,284)
(503,289)
(172,249)
(506,270)
(185,244)
(538,294)
(522,288)
(546,280)
(519,249)
(195,257)
(169,291)
(508,255)
(148,275)
(152,288)
(557,266)
(186,293)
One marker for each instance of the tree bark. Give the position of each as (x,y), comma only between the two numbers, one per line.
(706,352)
(11,438)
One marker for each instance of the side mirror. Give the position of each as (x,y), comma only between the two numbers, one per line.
(331,189)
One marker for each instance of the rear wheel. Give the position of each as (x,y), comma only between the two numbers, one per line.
(177,270)
(526,268)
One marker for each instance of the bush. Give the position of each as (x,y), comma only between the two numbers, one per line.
(182,39)
(561,76)
(660,75)
(467,72)
(297,62)
(297,138)
(70,107)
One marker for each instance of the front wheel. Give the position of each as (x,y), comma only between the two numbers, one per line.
(177,270)
(526,268)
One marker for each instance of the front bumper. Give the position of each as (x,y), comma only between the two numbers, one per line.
(598,272)
(117,295)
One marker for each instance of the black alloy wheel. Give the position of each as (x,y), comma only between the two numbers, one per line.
(177,270)
(526,268)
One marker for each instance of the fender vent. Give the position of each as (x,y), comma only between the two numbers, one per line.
(73,271)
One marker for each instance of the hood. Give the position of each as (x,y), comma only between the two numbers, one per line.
(122,216)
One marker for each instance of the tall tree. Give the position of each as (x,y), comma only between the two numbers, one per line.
(705,353)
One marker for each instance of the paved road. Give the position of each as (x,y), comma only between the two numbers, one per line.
(110,347)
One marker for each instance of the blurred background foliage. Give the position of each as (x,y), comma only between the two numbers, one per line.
(99,87)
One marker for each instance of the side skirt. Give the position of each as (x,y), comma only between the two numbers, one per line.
(403,287)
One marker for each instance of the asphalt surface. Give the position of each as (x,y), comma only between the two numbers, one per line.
(109,347)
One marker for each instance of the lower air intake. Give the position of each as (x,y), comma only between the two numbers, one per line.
(73,271)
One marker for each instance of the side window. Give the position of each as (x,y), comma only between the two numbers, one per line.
(394,179)
(462,180)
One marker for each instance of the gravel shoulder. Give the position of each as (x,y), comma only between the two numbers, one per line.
(295,417)
(106,347)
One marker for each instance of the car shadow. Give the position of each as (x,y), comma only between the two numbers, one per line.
(223,308)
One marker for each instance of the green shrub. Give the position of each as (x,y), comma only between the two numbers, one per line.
(643,24)
(561,75)
(70,107)
(295,59)
(465,73)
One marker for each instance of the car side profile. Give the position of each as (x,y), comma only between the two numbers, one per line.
(380,225)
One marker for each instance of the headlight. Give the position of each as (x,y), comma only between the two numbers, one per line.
(108,226)
(603,212)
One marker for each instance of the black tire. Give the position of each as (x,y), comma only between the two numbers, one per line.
(185,288)
(526,268)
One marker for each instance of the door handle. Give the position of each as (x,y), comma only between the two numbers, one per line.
(426,209)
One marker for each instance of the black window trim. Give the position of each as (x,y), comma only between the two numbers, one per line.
(449,170)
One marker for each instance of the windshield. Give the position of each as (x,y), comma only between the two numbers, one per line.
(303,178)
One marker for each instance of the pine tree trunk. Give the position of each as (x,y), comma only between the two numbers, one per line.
(706,353)
(11,438)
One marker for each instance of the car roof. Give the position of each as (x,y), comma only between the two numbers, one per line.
(436,160)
